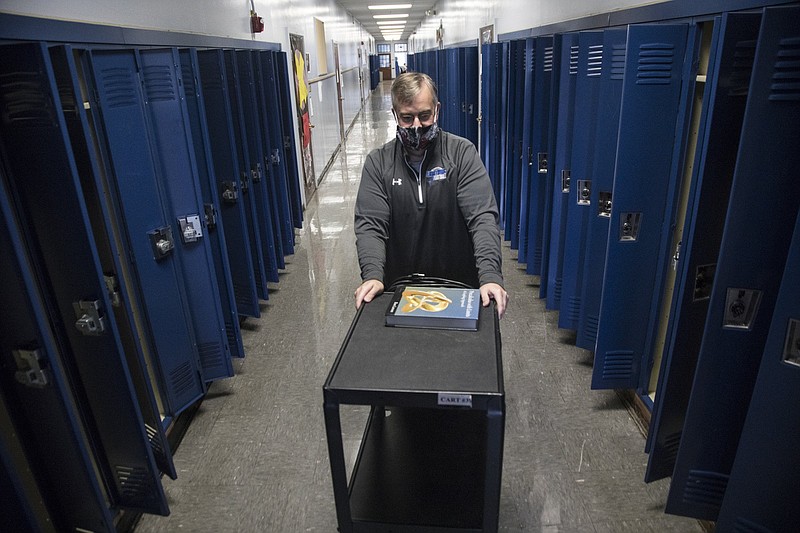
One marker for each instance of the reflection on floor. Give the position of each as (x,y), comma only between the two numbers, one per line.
(255,456)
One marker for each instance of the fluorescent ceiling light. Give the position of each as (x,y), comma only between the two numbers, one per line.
(400,15)
(390,22)
(390,6)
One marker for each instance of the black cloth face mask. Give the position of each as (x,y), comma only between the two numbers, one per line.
(417,138)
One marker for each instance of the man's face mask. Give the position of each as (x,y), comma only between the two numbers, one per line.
(417,138)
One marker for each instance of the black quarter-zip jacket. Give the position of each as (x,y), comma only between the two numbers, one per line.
(440,222)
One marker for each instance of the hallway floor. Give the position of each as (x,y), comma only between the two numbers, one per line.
(255,459)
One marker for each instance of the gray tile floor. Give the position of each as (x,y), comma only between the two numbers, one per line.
(255,456)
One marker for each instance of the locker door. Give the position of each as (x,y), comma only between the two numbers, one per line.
(643,179)
(487,76)
(540,183)
(243,157)
(138,196)
(515,123)
(471,94)
(526,107)
(41,409)
(587,89)
(502,134)
(439,75)
(253,158)
(745,282)
(174,153)
(289,146)
(561,157)
(605,149)
(214,83)
(42,178)
(450,96)
(274,158)
(762,491)
(730,65)
(107,242)
(214,223)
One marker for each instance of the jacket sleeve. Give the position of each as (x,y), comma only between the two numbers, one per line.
(372,216)
(479,208)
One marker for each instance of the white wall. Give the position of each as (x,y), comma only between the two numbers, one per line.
(231,19)
(461,19)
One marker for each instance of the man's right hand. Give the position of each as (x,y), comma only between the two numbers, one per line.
(367,291)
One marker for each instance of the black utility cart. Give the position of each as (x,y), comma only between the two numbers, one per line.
(432,451)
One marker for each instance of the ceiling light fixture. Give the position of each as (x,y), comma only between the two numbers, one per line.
(400,15)
(390,22)
(390,6)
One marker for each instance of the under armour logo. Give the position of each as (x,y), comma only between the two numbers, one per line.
(397,181)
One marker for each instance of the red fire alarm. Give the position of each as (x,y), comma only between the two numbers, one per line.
(256,22)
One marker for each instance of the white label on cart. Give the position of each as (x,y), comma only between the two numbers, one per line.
(458,400)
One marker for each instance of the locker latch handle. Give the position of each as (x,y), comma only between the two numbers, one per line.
(90,319)
(161,242)
(31,368)
(191,230)
(276,157)
(230,191)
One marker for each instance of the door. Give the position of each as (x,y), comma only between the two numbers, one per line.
(526,106)
(587,90)
(471,123)
(514,122)
(214,83)
(385,67)
(602,178)
(561,157)
(301,93)
(644,179)
(289,146)
(728,77)
(745,284)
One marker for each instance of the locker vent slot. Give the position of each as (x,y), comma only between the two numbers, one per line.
(705,488)
(133,485)
(241,294)
(212,81)
(742,67)
(187,76)
(590,330)
(618,364)
(548,59)
(24,101)
(618,61)
(537,255)
(655,64)
(162,460)
(573,59)
(210,354)
(68,104)
(671,444)
(574,308)
(743,525)
(119,87)
(230,334)
(158,83)
(181,378)
(786,77)
(594,67)
(557,289)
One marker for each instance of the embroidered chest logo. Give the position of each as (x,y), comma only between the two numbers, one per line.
(436,174)
(397,181)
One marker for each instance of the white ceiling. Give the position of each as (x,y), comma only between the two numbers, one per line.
(364,15)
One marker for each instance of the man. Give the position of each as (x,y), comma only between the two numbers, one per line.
(425,204)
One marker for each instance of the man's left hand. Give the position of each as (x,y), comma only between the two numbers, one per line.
(493,291)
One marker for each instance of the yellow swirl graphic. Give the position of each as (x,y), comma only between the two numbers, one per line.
(432,301)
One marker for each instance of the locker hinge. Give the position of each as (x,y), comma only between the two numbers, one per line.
(90,317)
(191,229)
(676,256)
(162,242)
(211,215)
(230,191)
(112,287)
(276,157)
(31,368)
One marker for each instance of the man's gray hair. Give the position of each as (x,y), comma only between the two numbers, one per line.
(408,85)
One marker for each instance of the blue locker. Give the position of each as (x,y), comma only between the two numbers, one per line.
(514,122)
(587,89)
(214,83)
(173,149)
(501,146)
(725,95)
(605,148)
(443,84)
(47,193)
(100,216)
(762,492)
(644,179)
(412,63)
(560,160)
(289,147)
(487,95)
(149,235)
(745,284)
(274,158)
(253,162)
(451,94)
(539,172)
(40,404)
(214,224)
(243,157)
(471,94)
(526,107)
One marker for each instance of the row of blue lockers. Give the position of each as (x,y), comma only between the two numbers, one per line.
(148,198)
(650,172)
(374,71)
